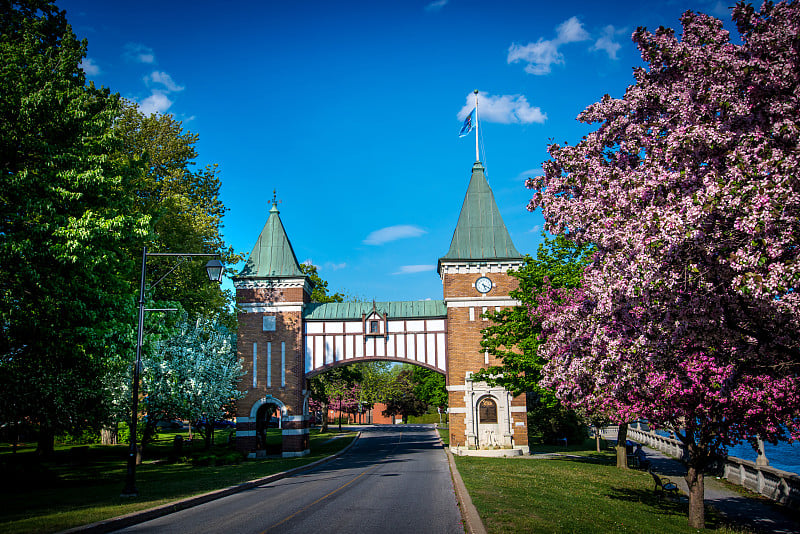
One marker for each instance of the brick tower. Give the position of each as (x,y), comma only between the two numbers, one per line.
(474,279)
(271,292)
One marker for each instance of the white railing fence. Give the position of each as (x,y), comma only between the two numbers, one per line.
(775,484)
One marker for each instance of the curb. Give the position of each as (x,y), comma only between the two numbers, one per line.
(116,523)
(469,514)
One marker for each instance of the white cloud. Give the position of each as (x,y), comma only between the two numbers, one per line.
(164,79)
(411,269)
(308,261)
(436,5)
(393,233)
(139,53)
(335,266)
(607,42)
(90,67)
(524,175)
(571,31)
(503,109)
(543,54)
(158,102)
(535,229)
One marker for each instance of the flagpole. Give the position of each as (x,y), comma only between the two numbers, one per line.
(477,154)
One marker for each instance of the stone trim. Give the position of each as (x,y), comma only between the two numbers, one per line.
(295,454)
(477,266)
(294,431)
(272,283)
(456,388)
(466,302)
(271,307)
(522,409)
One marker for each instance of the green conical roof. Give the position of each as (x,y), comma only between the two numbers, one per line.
(272,254)
(480,233)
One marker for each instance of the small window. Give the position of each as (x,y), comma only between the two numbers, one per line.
(487,411)
(373,327)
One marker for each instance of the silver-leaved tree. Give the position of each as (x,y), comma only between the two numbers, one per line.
(192,375)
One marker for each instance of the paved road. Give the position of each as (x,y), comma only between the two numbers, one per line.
(395,479)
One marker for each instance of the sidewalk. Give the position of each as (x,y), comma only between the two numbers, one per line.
(746,511)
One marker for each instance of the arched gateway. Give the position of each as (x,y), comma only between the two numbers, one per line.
(284,338)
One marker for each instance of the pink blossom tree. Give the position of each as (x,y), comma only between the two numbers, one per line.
(689,313)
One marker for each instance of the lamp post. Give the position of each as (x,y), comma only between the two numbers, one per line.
(214,269)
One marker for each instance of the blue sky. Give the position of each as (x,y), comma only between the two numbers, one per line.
(351,110)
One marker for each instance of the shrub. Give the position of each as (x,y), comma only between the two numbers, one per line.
(554,423)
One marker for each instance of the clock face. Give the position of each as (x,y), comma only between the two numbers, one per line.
(483,284)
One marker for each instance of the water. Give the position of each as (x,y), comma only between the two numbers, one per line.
(783,456)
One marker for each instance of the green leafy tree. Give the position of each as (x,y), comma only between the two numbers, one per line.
(332,385)
(319,291)
(377,379)
(402,400)
(513,335)
(184,206)
(429,386)
(67,220)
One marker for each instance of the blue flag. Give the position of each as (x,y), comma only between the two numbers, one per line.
(468,124)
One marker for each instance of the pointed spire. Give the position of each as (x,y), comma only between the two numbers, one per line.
(480,232)
(272,254)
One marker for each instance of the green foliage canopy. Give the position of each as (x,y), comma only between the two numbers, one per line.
(66,223)
(183,205)
(513,335)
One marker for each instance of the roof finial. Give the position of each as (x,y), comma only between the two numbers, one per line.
(275,201)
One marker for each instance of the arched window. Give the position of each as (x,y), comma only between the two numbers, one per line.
(487,411)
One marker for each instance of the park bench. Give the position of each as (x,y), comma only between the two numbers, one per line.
(662,485)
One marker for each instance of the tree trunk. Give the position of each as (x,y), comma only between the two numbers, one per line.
(147,436)
(622,450)
(597,438)
(46,443)
(697,512)
(109,435)
(324,428)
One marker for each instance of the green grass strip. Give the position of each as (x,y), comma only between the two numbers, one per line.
(58,495)
(586,494)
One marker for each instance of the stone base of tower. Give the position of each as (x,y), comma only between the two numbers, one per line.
(295,437)
(487,421)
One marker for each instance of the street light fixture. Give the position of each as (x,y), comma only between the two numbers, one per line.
(214,269)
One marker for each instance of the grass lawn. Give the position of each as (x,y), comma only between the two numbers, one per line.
(583,494)
(62,492)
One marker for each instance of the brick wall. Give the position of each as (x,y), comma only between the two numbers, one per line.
(287,336)
(464,351)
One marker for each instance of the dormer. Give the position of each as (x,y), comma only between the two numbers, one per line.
(374,323)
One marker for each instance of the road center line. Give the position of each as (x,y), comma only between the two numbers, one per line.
(306,507)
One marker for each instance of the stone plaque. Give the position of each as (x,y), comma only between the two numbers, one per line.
(269,323)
